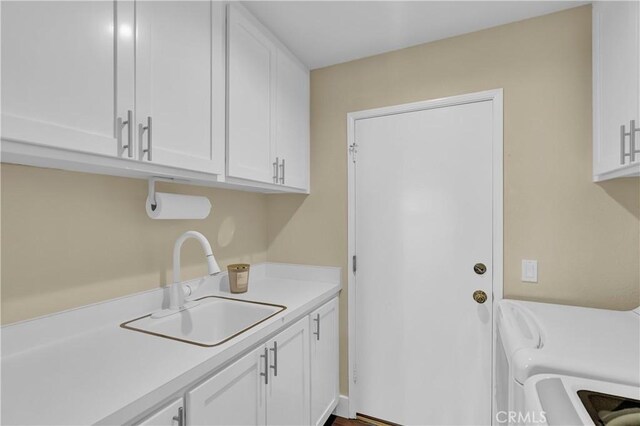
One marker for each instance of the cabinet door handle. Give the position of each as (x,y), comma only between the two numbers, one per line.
(275,170)
(120,125)
(282,172)
(180,417)
(632,140)
(266,366)
(623,146)
(317,332)
(142,128)
(275,359)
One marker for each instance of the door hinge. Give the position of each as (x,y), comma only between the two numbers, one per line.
(355,375)
(355,263)
(353,150)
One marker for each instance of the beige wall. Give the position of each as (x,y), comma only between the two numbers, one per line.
(584,235)
(69,239)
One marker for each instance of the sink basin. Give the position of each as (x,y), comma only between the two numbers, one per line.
(212,322)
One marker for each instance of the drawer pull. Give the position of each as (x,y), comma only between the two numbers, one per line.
(275,359)
(266,366)
(317,332)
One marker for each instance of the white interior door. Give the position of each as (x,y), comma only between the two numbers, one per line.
(423,214)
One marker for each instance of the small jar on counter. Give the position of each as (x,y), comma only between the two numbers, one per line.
(238,277)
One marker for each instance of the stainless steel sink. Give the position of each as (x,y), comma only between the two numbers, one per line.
(212,322)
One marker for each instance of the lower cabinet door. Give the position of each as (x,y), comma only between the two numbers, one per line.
(235,396)
(288,389)
(324,362)
(170,415)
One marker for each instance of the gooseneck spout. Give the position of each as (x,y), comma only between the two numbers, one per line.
(176,296)
(211,260)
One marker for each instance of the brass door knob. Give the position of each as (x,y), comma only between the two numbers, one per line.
(479,296)
(479,268)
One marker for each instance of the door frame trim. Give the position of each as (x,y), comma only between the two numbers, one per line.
(496,96)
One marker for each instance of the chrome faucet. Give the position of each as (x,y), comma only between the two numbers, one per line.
(176,294)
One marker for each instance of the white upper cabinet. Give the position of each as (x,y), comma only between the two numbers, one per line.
(139,80)
(143,88)
(324,362)
(292,121)
(268,107)
(60,85)
(616,87)
(180,84)
(251,91)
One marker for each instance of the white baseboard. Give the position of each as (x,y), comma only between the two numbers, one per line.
(342,409)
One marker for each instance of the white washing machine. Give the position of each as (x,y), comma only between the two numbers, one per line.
(557,400)
(541,338)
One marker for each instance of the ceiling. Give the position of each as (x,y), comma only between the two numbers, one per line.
(323,33)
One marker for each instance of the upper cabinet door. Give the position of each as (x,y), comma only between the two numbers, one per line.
(180,84)
(292,121)
(251,99)
(616,71)
(60,85)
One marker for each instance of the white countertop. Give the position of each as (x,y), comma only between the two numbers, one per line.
(80,367)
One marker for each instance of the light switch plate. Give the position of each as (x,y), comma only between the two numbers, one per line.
(529,271)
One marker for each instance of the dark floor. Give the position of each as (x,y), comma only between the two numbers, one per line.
(360,421)
(341,421)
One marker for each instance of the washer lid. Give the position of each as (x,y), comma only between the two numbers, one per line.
(518,328)
(553,399)
(584,342)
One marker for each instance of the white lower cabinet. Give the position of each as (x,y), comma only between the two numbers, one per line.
(288,387)
(324,362)
(170,415)
(235,396)
(270,385)
(292,379)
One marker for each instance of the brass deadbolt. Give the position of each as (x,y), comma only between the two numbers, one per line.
(479,296)
(479,268)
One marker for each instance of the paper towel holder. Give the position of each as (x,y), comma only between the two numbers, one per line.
(152,188)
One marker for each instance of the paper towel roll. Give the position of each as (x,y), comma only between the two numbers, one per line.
(177,206)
